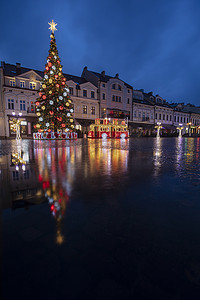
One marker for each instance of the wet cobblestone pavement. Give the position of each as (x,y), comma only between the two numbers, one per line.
(95,219)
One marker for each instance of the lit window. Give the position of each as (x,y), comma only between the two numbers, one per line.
(92,110)
(12,83)
(10,104)
(71,91)
(84,93)
(32,85)
(92,94)
(84,109)
(22,84)
(103,96)
(22,105)
(113,86)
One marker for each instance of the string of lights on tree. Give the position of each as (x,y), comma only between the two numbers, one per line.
(54,106)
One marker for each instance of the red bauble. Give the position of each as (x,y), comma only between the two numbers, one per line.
(58,61)
(40,94)
(47,68)
(49,64)
(63,125)
(37,103)
(51,113)
(39,130)
(57,85)
(61,107)
(63,83)
(34,126)
(59,119)
(49,130)
(44,97)
(56,76)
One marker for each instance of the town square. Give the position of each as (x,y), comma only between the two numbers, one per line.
(100,170)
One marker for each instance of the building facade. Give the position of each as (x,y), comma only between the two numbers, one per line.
(19,88)
(114,95)
(94,95)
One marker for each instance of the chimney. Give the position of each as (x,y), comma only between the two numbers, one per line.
(3,64)
(18,68)
(103,73)
(85,68)
(117,75)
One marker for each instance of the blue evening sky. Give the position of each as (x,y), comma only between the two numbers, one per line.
(154,45)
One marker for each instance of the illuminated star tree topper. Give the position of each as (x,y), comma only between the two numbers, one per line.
(52,26)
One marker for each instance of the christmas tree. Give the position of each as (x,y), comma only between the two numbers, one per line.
(53,107)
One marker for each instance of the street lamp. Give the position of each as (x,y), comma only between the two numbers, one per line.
(158,126)
(180,127)
(17,123)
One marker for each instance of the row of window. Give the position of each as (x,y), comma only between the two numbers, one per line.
(32,85)
(116,98)
(85,109)
(144,116)
(181,119)
(22,103)
(16,175)
(71,92)
(159,117)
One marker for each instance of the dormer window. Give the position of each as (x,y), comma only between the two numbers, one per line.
(159,100)
(22,84)
(12,82)
(32,85)
(84,93)
(113,86)
(119,87)
(92,94)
